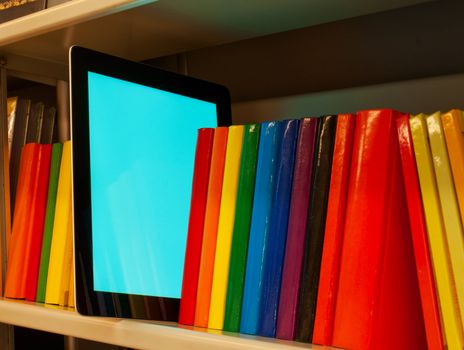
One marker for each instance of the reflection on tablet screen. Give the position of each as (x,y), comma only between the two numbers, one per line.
(142,145)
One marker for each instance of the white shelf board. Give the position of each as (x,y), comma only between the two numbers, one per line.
(165,27)
(137,334)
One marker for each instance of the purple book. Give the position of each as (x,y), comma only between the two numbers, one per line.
(294,251)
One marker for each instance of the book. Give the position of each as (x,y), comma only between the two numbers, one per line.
(11,105)
(48,125)
(203,153)
(71,295)
(67,262)
(276,239)
(242,222)
(208,247)
(425,276)
(450,211)
(225,227)
(333,235)
(453,127)
(15,282)
(315,229)
(378,301)
(34,126)
(294,248)
(49,220)
(10,10)
(37,217)
(19,140)
(268,156)
(446,288)
(61,246)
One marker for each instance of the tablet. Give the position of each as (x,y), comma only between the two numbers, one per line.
(134,130)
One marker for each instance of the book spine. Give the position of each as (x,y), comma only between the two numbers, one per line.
(375,284)
(419,236)
(196,224)
(449,205)
(315,229)
(208,247)
(276,240)
(453,127)
(333,236)
(269,145)
(294,249)
(38,217)
(436,234)
(241,232)
(16,269)
(49,218)
(19,140)
(58,262)
(225,227)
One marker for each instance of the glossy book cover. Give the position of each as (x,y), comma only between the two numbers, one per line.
(275,243)
(268,157)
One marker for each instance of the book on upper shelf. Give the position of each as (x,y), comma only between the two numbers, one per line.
(11,9)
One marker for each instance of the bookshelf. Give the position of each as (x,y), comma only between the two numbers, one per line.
(130,333)
(205,32)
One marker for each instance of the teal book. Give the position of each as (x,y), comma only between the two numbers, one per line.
(242,222)
(57,149)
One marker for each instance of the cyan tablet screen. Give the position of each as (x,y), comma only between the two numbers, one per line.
(142,147)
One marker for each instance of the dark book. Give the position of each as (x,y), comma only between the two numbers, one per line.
(34,126)
(296,235)
(48,125)
(19,140)
(315,228)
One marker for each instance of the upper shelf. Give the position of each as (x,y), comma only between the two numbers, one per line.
(143,29)
(136,334)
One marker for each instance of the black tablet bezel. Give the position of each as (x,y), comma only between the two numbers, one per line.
(81,60)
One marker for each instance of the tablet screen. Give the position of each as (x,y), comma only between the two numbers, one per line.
(142,147)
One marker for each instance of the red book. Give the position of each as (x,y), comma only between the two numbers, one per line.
(378,301)
(333,239)
(37,215)
(203,154)
(430,309)
(15,283)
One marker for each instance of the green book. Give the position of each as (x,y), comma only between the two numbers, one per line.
(245,191)
(57,148)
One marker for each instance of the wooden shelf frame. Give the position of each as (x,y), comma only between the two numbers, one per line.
(138,334)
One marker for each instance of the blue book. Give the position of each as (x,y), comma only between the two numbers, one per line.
(277,237)
(268,157)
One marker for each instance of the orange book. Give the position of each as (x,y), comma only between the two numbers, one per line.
(15,282)
(453,126)
(333,241)
(208,249)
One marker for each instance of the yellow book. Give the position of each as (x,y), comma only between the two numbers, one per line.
(446,287)
(453,126)
(71,285)
(449,204)
(67,264)
(225,227)
(60,261)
